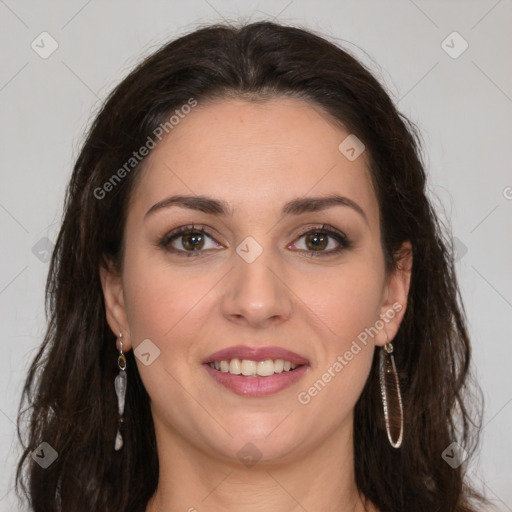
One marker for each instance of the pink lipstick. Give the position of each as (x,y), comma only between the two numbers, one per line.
(256,371)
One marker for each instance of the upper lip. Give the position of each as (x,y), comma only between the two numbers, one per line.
(255,354)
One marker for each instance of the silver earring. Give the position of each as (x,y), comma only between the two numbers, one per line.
(120,387)
(389,375)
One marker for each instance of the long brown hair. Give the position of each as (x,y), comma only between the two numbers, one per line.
(69,400)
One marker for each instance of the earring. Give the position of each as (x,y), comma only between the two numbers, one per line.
(389,375)
(120,387)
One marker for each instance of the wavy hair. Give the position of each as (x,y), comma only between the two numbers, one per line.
(68,398)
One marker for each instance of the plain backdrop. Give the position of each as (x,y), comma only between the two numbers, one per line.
(456,87)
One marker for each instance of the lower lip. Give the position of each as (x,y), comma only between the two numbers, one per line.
(256,385)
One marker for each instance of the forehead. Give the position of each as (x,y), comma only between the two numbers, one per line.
(254,154)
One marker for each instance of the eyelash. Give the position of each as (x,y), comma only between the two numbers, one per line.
(338,236)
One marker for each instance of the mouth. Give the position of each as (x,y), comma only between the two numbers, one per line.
(251,368)
(255,371)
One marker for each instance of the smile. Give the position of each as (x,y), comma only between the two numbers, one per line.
(250,368)
(255,371)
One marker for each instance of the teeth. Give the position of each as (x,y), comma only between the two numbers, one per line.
(265,368)
(250,368)
(278,365)
(235,367)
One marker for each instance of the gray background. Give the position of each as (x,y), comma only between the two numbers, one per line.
(462,106)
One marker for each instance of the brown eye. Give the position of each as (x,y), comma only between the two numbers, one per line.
(322,241)
(189,241)
(192,241)
(317,241)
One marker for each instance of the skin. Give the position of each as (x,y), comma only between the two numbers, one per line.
(255,156)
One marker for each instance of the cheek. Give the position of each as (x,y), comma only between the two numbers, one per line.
(346,299)
(344,306)
(165,305)
(348,307)
(177,308)
(159,299)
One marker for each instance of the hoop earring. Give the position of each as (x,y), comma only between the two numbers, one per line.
(389,375)
(120,387)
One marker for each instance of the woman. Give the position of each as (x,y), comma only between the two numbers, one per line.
(252,303)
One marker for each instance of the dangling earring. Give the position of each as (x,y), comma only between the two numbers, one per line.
(389,376)
(120,386)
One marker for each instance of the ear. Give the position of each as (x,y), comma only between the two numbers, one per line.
(394,298)
(113,295)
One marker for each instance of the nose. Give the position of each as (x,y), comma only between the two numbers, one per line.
(257,294)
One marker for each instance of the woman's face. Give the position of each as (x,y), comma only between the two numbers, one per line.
(278,268)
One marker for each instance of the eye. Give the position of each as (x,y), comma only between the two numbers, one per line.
(322,241)
(191,241)
(188,241)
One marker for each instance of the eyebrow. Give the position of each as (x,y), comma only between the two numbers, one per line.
(218,207)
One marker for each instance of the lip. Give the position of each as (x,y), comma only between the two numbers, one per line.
(256,354)
(256,386)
